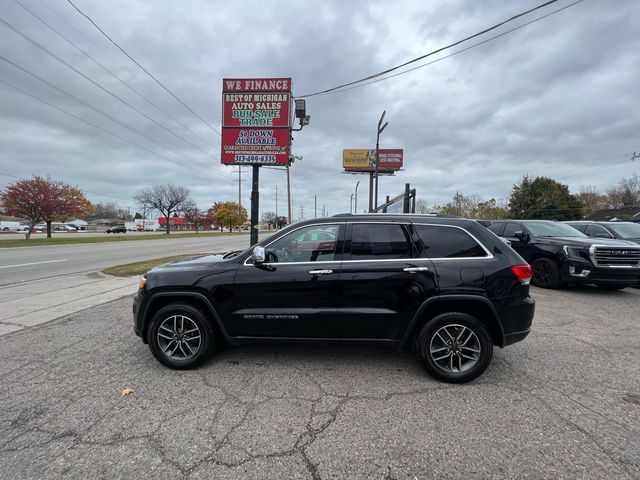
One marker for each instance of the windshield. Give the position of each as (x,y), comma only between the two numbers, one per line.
(552,229)
(626,230)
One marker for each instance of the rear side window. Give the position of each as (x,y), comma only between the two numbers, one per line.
(496,227)
(448,242)
(379,241)
(597,230)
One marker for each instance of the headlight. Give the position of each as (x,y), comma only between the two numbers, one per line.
(576,252)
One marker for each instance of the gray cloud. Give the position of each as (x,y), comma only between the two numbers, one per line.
(558,97)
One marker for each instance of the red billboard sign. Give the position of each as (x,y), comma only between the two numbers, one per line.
(249,146)
(255,121)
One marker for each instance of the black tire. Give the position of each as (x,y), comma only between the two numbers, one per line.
(611,287)
(546,273)
(195,318)
(430,340)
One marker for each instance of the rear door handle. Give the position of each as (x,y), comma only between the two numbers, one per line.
(320,272)
(415,269)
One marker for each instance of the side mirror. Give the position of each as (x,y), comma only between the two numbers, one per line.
(258,255)
(520,235)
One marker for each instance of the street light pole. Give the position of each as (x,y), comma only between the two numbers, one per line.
(379,131)
(351,204)
(355,208)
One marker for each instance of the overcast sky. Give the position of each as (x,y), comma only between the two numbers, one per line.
(559,97)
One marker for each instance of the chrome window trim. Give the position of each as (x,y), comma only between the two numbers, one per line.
(486,250)
(426,259)
(289,233)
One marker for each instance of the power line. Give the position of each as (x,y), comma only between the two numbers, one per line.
(456,52)
(144,69)
(110,117)
(89,79)
(68,40)
(389,70)
(77,117)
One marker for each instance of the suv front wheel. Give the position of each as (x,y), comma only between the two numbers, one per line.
(455,347)
(180,336)
(546,273)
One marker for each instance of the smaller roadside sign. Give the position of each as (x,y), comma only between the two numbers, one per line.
(255,146)
(364,160)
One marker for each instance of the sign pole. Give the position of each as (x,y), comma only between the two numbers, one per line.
(255,196)
(370,192)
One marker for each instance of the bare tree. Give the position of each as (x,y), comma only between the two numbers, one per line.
(422,207)
(626,193)
(591,200)
(166,199)
(269,218)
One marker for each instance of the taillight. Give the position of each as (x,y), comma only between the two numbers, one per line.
(523,273)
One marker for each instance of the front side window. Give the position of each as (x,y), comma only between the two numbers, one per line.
(379,241)
(496,227)
(316,243)
(552,229)
(448,242)
(511,229)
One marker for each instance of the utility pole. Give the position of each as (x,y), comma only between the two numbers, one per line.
(301,212)
(315,206)
(355,208)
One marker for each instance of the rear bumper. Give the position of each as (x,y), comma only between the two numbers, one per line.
(517,315)
(582,272)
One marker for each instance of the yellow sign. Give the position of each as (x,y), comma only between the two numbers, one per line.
(357,158)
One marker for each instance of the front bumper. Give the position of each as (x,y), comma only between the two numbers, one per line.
(137,315)
(580,271)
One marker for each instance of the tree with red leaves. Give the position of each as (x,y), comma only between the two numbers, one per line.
(41,198)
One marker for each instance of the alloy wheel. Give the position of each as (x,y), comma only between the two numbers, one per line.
(455,348)
(179,337)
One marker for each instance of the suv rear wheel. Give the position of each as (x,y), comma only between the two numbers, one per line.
(180,336)
(546,273)
(455,347)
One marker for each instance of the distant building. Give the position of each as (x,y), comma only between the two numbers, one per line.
(620,214)
(175,223)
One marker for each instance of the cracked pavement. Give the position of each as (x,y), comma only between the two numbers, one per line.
(565,403)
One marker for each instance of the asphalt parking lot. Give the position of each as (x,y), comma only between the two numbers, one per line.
(565,403)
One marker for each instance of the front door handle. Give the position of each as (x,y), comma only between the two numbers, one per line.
(415,269)
(320,272)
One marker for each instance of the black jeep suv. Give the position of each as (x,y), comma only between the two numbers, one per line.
(560,254)
(447,287)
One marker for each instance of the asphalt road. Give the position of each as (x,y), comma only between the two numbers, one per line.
(565,403)
(21,264)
